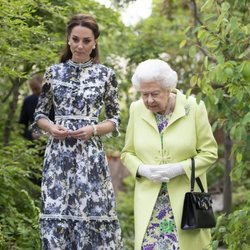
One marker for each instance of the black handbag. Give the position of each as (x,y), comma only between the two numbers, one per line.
(197,207)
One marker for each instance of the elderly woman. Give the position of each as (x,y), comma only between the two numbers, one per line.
(165,130)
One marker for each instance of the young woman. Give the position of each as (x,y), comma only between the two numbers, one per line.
(78,210)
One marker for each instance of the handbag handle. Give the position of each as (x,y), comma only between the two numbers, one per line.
(198,180)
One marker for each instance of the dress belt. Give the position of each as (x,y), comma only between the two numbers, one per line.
(76,117)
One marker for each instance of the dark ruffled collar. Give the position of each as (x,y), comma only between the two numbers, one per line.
(80,65)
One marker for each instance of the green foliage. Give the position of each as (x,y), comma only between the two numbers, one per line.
(221,38)
(25,36)
(225,37)
(20,168)
(233,230)
(215,174)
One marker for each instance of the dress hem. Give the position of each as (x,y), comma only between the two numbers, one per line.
(80,218)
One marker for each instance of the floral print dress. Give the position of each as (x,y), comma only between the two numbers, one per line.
(161,233)
(78,203)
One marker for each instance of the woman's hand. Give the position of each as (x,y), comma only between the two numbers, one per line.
(169,171)
(161,173)
(146,171)
(58,131)
(84,133)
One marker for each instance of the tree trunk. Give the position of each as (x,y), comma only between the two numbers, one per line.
(11,112)
(227,190)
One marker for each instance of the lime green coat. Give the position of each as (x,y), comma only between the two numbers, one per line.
(188,135)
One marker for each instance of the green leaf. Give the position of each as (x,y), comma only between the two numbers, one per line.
(202,34)
(183,43)
(225,6)
(193,80)
(214,126)
(220,59)
(238,173)
(229,72)
(245,54)
(246,119)
(198,97)
(239,157)
(206,62)
(192,51)
(221,77)
(215,244)
(187,29)
(188,92)
(207,5)
(240,133)
(233,129)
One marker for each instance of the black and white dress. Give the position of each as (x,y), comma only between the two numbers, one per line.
(78,203)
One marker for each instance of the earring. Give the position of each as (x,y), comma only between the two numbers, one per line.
(94,47)
(69,43)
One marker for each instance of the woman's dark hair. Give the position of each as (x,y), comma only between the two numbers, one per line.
(83,20)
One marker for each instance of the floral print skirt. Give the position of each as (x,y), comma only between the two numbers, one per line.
(78,201)
(67,234)
(161,233)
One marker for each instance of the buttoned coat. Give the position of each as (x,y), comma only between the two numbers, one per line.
(187,135)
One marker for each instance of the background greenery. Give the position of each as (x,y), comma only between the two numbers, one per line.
(205,41)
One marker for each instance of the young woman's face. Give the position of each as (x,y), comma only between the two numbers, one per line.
(154,96)
(81,42)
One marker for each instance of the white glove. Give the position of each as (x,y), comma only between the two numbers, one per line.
(169,171)
(146,171)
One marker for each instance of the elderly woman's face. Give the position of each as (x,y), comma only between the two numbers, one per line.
(154,96)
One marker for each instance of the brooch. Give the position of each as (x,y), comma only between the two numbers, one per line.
(187,109)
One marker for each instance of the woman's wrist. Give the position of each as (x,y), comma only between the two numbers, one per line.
(45,125)
(94,130)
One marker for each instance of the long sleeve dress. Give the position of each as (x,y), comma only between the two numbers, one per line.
(78,203)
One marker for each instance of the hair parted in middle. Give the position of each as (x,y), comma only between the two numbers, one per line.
(83,20)
(154,70)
